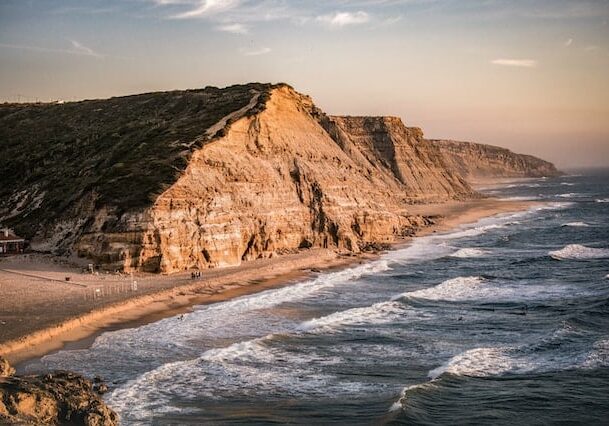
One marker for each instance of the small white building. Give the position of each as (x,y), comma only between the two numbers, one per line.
(10,243)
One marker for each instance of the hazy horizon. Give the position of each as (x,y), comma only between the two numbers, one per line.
(527,75)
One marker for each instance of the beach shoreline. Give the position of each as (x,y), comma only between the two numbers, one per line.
(180,294)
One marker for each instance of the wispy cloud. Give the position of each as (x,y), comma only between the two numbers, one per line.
(202,8)
(77,49)
(522,63)
(256,52)
(341,19)
(392,20)
(591,48)
(84,50)
(569,42)
(233,28)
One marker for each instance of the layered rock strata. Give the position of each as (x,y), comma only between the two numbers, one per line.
(474,161)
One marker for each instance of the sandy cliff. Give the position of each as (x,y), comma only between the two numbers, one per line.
(212,177)
(475,161)
(398,153)
(276,181)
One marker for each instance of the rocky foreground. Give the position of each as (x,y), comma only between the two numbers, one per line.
(52,399)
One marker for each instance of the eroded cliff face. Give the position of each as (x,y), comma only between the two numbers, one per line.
(400,154)
(286,178)
(475,161)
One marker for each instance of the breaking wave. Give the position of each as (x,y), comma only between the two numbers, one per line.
(602,200)
(469,252)
(497,361)
(519,198)
(576,224)
(475,288)
(579,252)
(399,404)
(378,313)
(526,185)
(455,289)
(241,370)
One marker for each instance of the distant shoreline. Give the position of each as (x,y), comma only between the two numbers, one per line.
(166,296)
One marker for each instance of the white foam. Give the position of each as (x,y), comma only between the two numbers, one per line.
(379,313)
(520,185)
(399,404)
(554,206)
(455,289)
(301,290)
(602,200)
(436,246)
(496,361)
(242,318)
(576,224)
(479,362)
(598,356)
(579,252)
(463,289)
(477,230)
(569,195)
(567,183)
(519,198)
(253,367)
(469,253)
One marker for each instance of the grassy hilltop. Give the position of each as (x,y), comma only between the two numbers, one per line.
(119,152)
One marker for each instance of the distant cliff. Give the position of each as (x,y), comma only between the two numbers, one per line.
(477,161)
(397,153)
(211,177)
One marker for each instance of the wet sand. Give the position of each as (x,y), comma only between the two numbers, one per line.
(40,312)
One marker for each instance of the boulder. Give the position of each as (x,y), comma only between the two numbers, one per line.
(54,398)
(5,368)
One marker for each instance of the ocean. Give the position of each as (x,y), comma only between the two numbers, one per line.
(503,321)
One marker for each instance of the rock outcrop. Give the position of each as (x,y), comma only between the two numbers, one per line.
(52,399)
(474,161)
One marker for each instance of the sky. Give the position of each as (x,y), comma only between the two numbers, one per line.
(529,75)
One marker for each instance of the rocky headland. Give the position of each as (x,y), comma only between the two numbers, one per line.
(165,182)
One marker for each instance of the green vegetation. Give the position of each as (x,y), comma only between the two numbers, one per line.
(121,152)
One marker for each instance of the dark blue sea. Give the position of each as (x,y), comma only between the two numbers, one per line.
(503,321)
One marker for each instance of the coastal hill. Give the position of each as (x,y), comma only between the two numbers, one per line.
(163,182)
(474,161)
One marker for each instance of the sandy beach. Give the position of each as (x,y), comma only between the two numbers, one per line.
(41,312)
